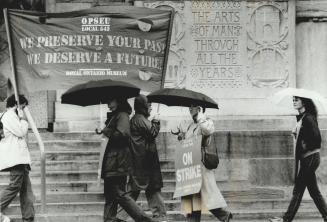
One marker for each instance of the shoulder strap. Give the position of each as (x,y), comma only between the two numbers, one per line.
(2,115)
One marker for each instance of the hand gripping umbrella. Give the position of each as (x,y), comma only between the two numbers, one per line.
(181,97)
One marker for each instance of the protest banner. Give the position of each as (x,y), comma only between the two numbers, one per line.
(188,167)
(59,50)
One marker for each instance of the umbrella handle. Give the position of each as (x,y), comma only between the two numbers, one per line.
(98,132)
(175,133)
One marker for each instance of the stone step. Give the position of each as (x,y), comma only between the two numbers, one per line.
(77,186)
(46,136)
(268,198)
(67,155)
(65,145)
(75,175)
(82,165)
(307,215)
(93,186)
(80,145)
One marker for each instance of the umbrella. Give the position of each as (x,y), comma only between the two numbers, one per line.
(181,97)
(96,92)
(284,97)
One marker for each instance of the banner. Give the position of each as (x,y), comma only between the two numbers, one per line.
(60,50)
(188,167)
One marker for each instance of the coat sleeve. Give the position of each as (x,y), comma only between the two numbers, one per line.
(311,133)
(122,129)
(150,130)
(17,127)
(207,127)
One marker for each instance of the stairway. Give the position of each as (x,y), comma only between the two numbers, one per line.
(74,195)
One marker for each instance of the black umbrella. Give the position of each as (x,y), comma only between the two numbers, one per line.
(181,97)
(96,92)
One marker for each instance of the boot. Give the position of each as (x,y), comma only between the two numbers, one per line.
(229,217)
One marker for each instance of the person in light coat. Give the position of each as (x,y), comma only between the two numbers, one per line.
(15,158)
(209,198)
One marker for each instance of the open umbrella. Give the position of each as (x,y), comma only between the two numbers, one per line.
(96,92)
(284,98)
(181,97)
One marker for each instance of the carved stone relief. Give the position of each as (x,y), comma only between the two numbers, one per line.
(268,42)
(176,66)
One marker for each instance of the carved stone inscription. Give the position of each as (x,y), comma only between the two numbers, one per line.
(218,41)
(231,48)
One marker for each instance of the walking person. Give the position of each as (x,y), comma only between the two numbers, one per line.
(209,197)
(15,158)
(307,141)
(116,163)
(146,174)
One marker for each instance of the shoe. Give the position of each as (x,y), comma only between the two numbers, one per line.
(229,217)
(275,219)
(4,218)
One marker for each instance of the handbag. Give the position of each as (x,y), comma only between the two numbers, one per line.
(209,158)
(2,134)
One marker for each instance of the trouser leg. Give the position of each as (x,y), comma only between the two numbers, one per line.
(11,191)
(314,191)
(307,169)
(116,190)
(195,216)
(156,203)
(121,212)
(27,199)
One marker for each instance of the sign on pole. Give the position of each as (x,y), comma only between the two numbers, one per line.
(188,167)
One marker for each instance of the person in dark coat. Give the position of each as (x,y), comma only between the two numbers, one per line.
(146,174)
(307,159)
(116,164)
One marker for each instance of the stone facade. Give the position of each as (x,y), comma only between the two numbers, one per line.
(238,52)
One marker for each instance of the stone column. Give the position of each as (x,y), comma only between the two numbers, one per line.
(311,43)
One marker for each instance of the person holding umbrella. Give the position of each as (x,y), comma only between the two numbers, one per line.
(209,197)
(115,157)
(307,158)
(116,164)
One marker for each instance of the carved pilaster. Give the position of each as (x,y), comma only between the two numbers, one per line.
(268,44)
(176,66)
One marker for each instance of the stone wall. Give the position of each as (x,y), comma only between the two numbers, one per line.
(253,75)
(253,158)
